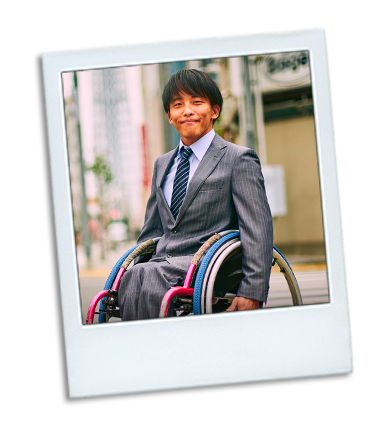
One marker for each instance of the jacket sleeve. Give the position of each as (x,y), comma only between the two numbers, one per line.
(152,227)
(255,225)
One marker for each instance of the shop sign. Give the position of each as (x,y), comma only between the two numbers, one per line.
(284,70)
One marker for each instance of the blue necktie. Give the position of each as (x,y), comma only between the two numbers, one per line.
(181,181)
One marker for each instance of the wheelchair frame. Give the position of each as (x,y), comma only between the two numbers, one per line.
(202,274)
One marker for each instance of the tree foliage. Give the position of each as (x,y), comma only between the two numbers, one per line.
(101,170)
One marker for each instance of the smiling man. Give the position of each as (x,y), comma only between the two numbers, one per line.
(204,186)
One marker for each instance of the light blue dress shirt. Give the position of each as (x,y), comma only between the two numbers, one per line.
(199,149)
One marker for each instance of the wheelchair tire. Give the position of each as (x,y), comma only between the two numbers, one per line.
(148,248)
(289,276)
(102,317)
(203,292)
(212,269)
(235,247)
(198,286)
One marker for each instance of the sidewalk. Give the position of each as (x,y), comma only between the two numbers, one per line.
(305,263)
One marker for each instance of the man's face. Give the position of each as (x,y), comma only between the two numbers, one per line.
(192,116)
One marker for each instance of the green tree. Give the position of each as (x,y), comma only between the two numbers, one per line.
(104,177)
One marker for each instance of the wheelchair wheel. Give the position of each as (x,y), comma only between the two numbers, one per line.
(212,270)
(205,268)
(144,248)
(209,299)
(222,275)
(286,270)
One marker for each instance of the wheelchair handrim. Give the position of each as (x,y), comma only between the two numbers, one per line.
(201,271)
(215,268)
(207,274)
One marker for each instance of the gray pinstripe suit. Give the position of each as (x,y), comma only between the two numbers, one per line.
(226,192)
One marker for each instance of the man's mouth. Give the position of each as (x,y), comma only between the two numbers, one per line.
(189,121)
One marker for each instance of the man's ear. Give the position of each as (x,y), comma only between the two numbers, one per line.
(169,118)
(215,110)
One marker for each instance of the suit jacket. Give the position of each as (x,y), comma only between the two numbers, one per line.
(226,192)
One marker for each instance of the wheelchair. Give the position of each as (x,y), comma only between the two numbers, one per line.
(210,284)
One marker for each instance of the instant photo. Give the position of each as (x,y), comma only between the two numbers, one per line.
(108,126)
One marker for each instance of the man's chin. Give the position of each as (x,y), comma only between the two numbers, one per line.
(189,139)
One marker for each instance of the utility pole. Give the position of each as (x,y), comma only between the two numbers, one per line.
(87,237)
(259,115)
(248,125)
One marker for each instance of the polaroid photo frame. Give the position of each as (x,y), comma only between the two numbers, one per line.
(267,344)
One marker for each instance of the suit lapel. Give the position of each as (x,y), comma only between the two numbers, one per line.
(211,159)
(164,164)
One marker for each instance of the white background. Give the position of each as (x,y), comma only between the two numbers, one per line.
(82,39)
(16,50)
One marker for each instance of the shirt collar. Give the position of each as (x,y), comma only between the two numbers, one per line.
(200,147)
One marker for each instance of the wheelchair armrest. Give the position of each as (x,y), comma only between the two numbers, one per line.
(141,249)
(208,244)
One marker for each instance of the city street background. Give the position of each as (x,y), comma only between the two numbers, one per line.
(116,128)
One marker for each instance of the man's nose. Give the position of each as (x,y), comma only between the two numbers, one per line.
(188,110)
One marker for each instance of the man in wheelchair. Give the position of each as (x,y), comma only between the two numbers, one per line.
(204,186)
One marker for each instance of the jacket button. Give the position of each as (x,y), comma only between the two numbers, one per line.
(175,230)
(169,255)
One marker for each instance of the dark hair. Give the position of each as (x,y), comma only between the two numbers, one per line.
(192,82)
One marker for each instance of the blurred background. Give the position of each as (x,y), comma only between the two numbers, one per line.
(116,127)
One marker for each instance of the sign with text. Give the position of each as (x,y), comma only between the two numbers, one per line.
(283,71)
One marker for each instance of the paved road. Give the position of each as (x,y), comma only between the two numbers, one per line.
(312,281)
(313,286)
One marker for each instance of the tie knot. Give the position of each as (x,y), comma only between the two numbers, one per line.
(186,152)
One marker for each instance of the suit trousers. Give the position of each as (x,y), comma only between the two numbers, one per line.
(143,287)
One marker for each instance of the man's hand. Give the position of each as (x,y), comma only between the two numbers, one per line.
(241,303)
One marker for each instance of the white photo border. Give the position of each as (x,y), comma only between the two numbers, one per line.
(210,349)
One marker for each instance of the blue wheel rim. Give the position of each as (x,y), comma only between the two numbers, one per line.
(202,269)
